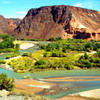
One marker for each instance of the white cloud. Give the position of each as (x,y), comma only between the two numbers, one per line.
(22,12)
(78,5)
(85,4)
(5,2)
(20,16)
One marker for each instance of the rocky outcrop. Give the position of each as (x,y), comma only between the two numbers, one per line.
(63,21)
(16,21)
(8,25)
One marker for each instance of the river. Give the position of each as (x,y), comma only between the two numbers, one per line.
(74,87)
(77,86)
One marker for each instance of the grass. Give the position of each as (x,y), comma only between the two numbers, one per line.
(38,54)
(72,57)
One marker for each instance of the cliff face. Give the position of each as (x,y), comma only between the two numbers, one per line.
(63,21)
(7,25)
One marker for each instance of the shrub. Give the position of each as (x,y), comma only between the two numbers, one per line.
(2,62)
(52,39)
(22,64)
(17,46)
(6,82)
(12,55)
(68,66)
(87,61)
(47,54)
(26,54)
(40,62)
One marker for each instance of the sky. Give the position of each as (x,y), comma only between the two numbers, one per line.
(19,8)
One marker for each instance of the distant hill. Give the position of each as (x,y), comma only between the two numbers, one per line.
(8,25)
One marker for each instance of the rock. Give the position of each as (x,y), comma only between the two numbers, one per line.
(59,21)
(5,66)
(8,25)
(4,93)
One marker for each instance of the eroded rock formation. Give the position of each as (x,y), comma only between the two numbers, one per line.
(8,25)
(63,21)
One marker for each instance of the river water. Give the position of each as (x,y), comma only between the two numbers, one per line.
(74,86)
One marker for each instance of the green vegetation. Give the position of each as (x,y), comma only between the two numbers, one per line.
(38,55)
(6,82)
(26,54)
(53,64)
(7,45)
(73,45)
(89,61)
(60,54)
(7,42)
(12,55)
(55,53)
(55,39)
(22,64)
(2,62)
(7,50)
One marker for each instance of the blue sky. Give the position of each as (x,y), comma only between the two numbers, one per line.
(19,8)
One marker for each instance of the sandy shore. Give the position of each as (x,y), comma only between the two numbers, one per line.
(86,95)
(5,66)
(75,98)
(32,85)
(24,46)
(73,79)
(8,60)
(95,93)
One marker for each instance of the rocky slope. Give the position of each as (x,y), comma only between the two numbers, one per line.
(8,25)
(63,21)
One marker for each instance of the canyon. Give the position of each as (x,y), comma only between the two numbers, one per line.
(56,21)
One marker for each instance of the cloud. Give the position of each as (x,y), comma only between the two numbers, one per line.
(21,17)
(85,4)
(22,12)
(78,5)
(5,2)
(15,16)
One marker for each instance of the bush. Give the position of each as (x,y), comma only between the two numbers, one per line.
(22,64)
(71,44)
(52,39)
(68,66)
(47,54)
(17,46)
(87,61)
(40,62)
(85,64)
(26,54)
(7,50)
(2,62)
(12,55)
(6,82)
(53,64)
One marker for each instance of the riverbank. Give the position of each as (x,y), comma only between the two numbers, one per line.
(25,45)
(76,98)
(7,67)
(62,88)
(32,86)
(86,95)
(95,93)
(73,79)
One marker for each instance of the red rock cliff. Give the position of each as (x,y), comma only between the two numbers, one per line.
(63,21)
(7,25)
